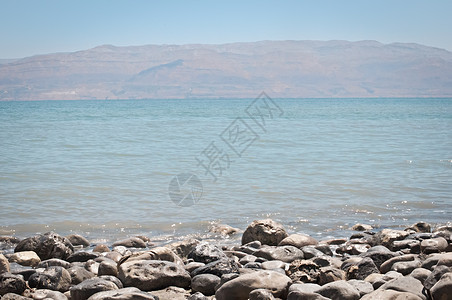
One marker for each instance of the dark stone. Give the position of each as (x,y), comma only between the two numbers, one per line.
(205,283)
(52,278)
(362,269)
(443,288)
(78,240)
(82,256)
(79,274)
(329,274)
(48,245)
(10,283)
(304,270)
(435,276)
(87,288)
(218,268)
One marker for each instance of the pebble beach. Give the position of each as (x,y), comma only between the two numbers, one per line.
(263,262)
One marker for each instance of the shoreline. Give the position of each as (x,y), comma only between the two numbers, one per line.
(262,260)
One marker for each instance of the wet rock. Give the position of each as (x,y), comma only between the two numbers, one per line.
(25,258)
(329,274)
(79,274)
(311,252)
(44,294)
(4,264)
(267,231)
(107,268)
(130,293)
(205,283)
(87,288)
(218,268)
(405,284)
(48,245)
(82,256)
(325,249)
(101,248)
(362,286)
(78,240)
(298,240)
(390,294)
(171,293)
(444,259)
(304,271)
(434,245)
(361,227)
(284,253)
(240,287)
(10,283)
(249,248)
(206,253)
(132,242)
(362,269)
(52,278)
(339,290)
(261,294)
(420,227)
(414,246)
(183,248)
(54,262)
(148,275)
(443,288)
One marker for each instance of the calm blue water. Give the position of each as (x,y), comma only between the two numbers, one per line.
(102,168)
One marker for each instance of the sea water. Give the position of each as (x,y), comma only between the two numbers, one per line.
(103,168)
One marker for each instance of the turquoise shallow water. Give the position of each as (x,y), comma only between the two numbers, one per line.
(103,168)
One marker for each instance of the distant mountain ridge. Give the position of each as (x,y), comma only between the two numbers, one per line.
(293,69)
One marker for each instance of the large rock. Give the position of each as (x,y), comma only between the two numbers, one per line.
(82,256)
(78,240)
(4,264)
(218,268)
(435,276)
(10,283)
(205,283)
(240,287)
(387,265)
(283,253)
(387,236)
(12,296)
(405,284)
(25,258)
(87,288)
(52,278)
(108,267)
(148,275)
(362,286)
(339,290)
(304,270)
(362,269)
(206,253)
(434,245)
(48,245)
(298,240)
(443,288)
(266,231)
(130,293)
(157,253)
(261,294)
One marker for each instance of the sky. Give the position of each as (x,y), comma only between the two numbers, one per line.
(30,27)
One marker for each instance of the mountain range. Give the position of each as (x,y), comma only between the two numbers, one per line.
(290,69)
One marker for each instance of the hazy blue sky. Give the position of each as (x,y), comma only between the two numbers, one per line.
(35,27)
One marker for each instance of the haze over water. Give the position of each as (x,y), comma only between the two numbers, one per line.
(102,168)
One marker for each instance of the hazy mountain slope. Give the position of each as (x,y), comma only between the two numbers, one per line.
(281,68)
